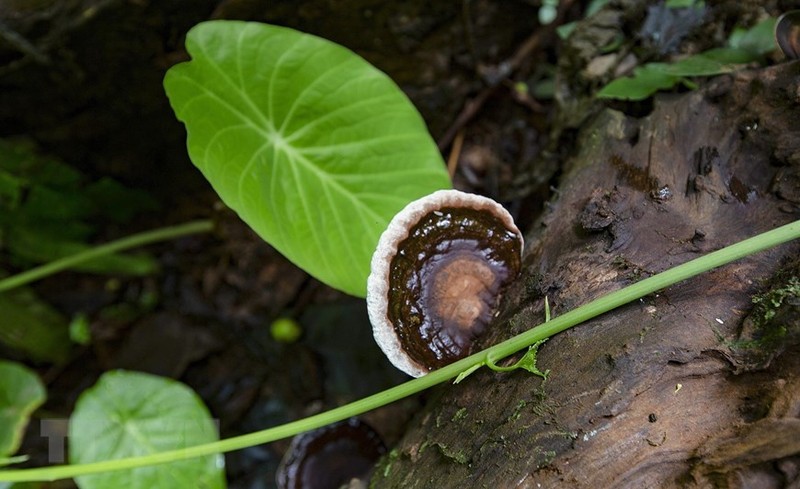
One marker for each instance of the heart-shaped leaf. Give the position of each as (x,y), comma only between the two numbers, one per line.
(21,392)
(312,146)
(128,414)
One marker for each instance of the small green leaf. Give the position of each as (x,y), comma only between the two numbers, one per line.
(564,30)
(79,331)
(527,362)
(646,80)
(313,147)
(117,202)
(652,77)
(744,46)
(712,62)
(758,40)
(684,4)
(128,414)
(33,327)
(21,392)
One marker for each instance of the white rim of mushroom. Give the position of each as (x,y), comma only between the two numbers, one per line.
(378,284)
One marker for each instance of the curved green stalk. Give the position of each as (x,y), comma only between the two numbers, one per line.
(133,241)
(501,350)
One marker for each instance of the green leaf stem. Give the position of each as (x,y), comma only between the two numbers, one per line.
(569,319)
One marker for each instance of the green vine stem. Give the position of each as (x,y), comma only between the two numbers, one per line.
(133,241)
(583,313)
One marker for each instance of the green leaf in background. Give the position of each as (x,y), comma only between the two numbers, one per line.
(128,414)
(684,3)
(40,246)
(744,46)
(48,210)
(758,40)
(708,63)
(119,203)
(19,158)
(79,330)
(21,392)
(646,80)
(313,147)
(33,327)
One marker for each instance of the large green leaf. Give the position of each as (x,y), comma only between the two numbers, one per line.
(311,145)
(21,392)
(128,414)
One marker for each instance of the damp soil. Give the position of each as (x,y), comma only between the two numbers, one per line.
(81,79)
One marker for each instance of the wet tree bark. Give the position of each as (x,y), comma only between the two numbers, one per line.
(691,387)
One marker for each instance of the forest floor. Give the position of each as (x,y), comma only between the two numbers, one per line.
(81,80)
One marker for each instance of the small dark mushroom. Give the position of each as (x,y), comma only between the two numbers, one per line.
(436,277)
(330,457)
(787,34)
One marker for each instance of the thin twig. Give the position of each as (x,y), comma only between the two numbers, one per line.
(455,152)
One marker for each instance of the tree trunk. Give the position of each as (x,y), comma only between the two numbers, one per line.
(691,387)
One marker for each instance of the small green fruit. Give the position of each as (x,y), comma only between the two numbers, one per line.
(285,330)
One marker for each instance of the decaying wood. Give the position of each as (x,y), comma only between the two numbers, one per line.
(692,386)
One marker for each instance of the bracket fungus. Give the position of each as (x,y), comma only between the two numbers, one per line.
(331,456)
(787,34)
(436,277)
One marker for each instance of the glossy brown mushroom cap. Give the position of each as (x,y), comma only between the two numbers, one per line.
(436,277)
(787,34)
(330,457)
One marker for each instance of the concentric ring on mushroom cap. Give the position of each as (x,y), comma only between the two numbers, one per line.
(461,277)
